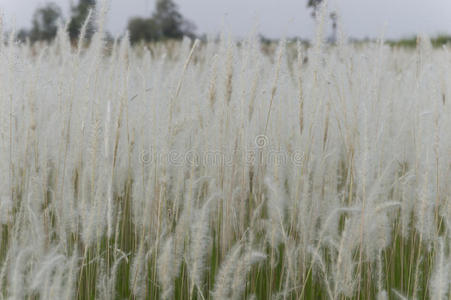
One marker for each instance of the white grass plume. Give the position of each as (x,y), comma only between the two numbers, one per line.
(223,286)
(440,281)
(166,272)
(200,240)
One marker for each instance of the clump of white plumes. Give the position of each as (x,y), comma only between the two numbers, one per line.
(200,243)
(166,270)
(231,278)
(440,281)
(196,169)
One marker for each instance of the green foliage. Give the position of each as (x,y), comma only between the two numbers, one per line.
(170,22)
(45,24)
(166,23)
(314,4)
(411,42)
(142,29)
(22,35)
(441,40)
(79,14)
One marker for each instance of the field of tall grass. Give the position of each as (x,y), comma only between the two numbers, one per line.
(216,170)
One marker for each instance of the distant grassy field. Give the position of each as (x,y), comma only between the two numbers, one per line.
(219,170)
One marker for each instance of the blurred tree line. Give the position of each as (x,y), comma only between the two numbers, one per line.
(165,23)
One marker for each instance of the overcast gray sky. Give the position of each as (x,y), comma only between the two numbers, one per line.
(274,18)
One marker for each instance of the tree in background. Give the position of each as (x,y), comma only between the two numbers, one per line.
(142,29)
(314,5)
(170,21)
(79,14)
(22,35)
(45,24)
(166,23)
